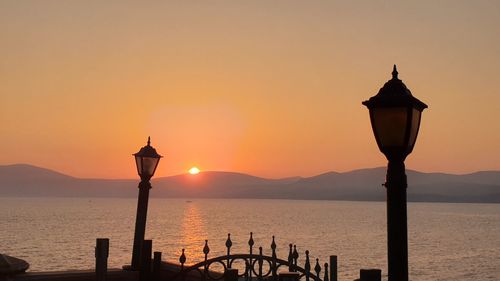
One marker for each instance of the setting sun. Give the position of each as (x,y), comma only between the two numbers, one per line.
(194,171)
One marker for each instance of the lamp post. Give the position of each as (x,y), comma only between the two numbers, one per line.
(395,119)
(147,160)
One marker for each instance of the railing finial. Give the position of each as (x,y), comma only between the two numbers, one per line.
(326,278)
(250,241)
(182,259)
(290,257)
(317,269)
(229,243)
(206,249)
(295,257)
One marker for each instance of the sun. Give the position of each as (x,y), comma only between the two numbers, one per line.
(194,171)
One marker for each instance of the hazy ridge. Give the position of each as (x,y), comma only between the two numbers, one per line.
(359,185)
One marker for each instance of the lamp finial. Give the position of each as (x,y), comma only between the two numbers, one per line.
(394,73)
(149,141)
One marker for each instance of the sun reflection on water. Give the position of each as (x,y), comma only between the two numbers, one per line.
(193,232)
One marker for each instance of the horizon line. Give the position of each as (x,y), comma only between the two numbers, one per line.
(242,173)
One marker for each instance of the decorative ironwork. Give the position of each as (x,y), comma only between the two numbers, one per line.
(307,266)
(257,266)
(326,272)
(317,269)
(295,256)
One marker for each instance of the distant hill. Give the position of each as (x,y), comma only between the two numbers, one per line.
(27,180)
(359,185)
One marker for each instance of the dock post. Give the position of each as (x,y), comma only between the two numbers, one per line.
(101,258)
(333,268)
(370,275)
(145,269)
(156,266)
(231,274)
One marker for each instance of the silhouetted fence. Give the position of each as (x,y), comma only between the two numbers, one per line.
(257,267)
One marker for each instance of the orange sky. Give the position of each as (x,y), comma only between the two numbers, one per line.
(270,88)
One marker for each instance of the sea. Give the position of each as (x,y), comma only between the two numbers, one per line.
(447,241)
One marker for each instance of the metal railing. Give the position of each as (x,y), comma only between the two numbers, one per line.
(258,266)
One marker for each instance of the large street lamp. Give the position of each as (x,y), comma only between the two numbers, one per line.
(147,160)
(395,118)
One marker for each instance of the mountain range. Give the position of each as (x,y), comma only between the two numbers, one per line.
(22,180)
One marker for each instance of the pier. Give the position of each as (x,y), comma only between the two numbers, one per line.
(257,267)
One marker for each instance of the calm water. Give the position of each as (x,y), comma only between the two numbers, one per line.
(447,241)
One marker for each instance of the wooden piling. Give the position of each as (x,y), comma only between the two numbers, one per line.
(333,268)
(156,266)
(145,269)
(101,258)
(370,275)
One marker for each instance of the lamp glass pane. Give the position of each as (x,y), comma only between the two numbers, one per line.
(149,166)
(138,162)
(390,126)
(415,124)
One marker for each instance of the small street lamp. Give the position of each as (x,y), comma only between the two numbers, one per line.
(395,118)
(147,160)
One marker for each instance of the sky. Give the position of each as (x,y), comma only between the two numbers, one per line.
(269,88)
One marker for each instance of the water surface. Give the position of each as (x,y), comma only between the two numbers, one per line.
(446,241)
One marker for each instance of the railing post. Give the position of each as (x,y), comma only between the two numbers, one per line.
(317,269)
(333,268)
(295,258)
(261,262)
(229,243)
(145,269)
(249,265)
(288,276)
(290,258)
(231,274)
(326,275)
(156,266)
(274,257)
(101,258)
(370,275)
(182,260)
(206,250)
(307,266)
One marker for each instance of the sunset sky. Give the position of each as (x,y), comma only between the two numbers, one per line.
(269,88)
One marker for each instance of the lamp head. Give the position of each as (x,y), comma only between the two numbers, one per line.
(395,118)
(147,160)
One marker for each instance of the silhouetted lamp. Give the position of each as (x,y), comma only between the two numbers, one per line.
(395,118)
(146,160)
